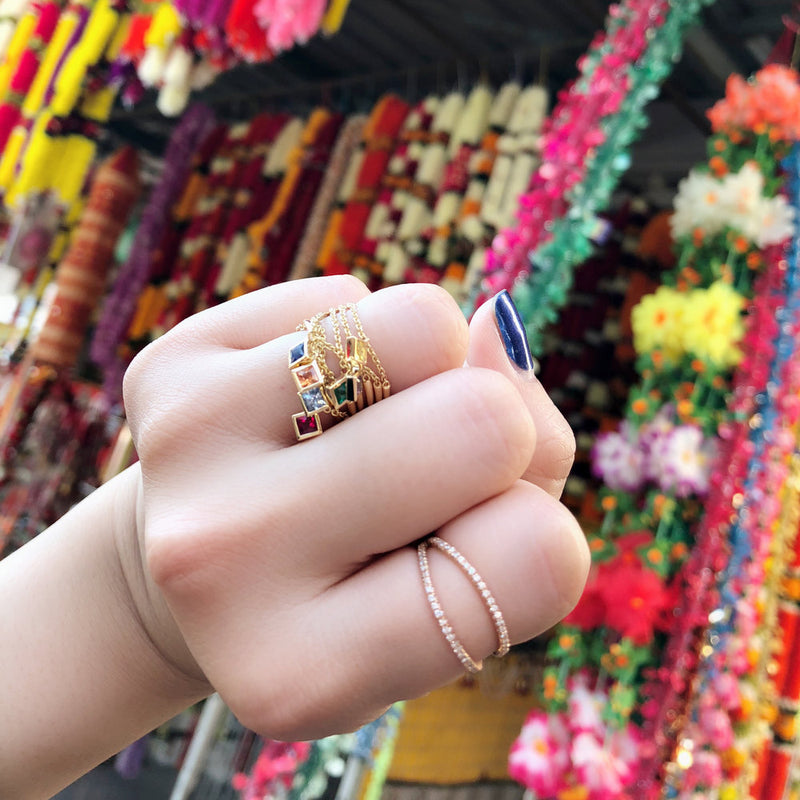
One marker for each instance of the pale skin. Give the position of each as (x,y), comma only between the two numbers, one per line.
(234,559)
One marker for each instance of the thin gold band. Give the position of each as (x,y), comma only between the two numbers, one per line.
(504,644)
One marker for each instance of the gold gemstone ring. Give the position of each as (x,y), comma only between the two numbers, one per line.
(336,370)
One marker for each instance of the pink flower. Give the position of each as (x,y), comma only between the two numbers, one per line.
(726,689)
(716,725)
(681,461)
(705,772)
(618,460)
(586,707)
(288,22)
(539,757)
(605,771)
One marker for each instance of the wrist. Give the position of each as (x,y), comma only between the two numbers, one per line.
(147,603)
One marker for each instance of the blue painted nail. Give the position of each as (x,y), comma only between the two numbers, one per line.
(512,332)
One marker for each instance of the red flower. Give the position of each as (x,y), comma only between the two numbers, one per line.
(634,599)
(590,612)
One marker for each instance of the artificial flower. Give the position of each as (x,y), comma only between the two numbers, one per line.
(658,323)
(705,772)
(634,598)
(712,324)
(605,768)
(770,101)
(698,204)
(289,22)
(734,201)
(589,613)
(539,757)
(681,460)
(618,460)
(585,706)
(772,222)
(716,727)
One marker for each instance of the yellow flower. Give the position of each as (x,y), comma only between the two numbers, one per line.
(657,322)
(712,324)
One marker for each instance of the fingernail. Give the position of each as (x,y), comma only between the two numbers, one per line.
(512,332)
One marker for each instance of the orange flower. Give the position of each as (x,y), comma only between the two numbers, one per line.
(678,551)
(609,502)
(718,166)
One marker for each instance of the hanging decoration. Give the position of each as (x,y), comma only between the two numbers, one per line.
(642,628)
(585,148)
(80,279)
(135,272)
(183,45)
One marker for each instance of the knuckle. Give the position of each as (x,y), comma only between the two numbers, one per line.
(497,422)
(559,444)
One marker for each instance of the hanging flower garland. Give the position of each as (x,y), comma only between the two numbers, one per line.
(183,45)
(659,466)
(717,731)
(585,149)
(11,12)
(135,272)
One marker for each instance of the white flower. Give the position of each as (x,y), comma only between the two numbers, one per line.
(699,203)
(737,201)
(681,461)
(742,191)
(776,221)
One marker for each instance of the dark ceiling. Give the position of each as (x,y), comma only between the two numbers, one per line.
(413,46)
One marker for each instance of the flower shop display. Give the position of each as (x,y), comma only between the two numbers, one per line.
(665,632)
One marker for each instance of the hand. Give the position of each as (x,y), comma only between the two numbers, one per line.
(281,572)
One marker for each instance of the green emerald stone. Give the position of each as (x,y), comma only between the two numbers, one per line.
(340,394)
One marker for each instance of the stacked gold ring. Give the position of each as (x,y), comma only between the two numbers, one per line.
(358,379)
